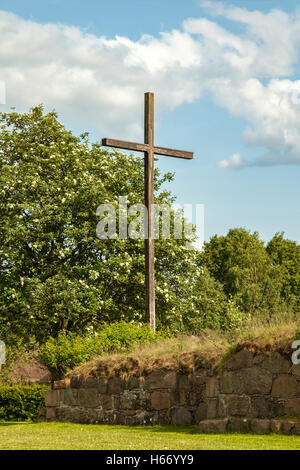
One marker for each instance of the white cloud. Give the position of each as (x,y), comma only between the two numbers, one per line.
(235,162)
(92,80)
(274,34)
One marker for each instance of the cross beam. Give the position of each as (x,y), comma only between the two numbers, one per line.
(123,144)
(149,150)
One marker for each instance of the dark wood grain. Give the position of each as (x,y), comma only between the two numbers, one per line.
(173,153)
(122,144)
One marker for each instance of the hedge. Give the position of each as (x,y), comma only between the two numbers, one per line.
(21,402)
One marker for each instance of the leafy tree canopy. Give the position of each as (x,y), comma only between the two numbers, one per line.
(241,263)
(286,254)
(55,273)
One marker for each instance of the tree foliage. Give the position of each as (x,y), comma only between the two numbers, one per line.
(248,272)
(56,275)
(286,254)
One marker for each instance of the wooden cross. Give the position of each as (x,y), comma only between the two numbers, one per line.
(149,150)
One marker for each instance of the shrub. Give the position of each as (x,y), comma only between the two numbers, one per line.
(69,350)
(123,335)
(21,402)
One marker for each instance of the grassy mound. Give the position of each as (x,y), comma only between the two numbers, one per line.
(187,353)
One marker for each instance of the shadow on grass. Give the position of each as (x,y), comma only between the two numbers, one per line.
(147,428)
(14,423)
(167,428)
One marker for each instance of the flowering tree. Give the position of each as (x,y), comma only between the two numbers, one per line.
(55,273)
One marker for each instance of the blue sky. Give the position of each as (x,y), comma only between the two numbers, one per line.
(226,83)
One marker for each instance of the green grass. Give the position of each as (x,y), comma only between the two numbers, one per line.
(65,436)
(186,352)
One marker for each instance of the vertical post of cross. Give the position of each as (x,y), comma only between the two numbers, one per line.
(149,150)
(149,201)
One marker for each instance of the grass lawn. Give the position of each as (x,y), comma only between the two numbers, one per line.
(64,436)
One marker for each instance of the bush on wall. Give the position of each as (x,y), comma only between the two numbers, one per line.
(69,350)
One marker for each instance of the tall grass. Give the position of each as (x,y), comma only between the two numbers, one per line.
(187,353)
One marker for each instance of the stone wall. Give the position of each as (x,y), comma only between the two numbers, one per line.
(253,392)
